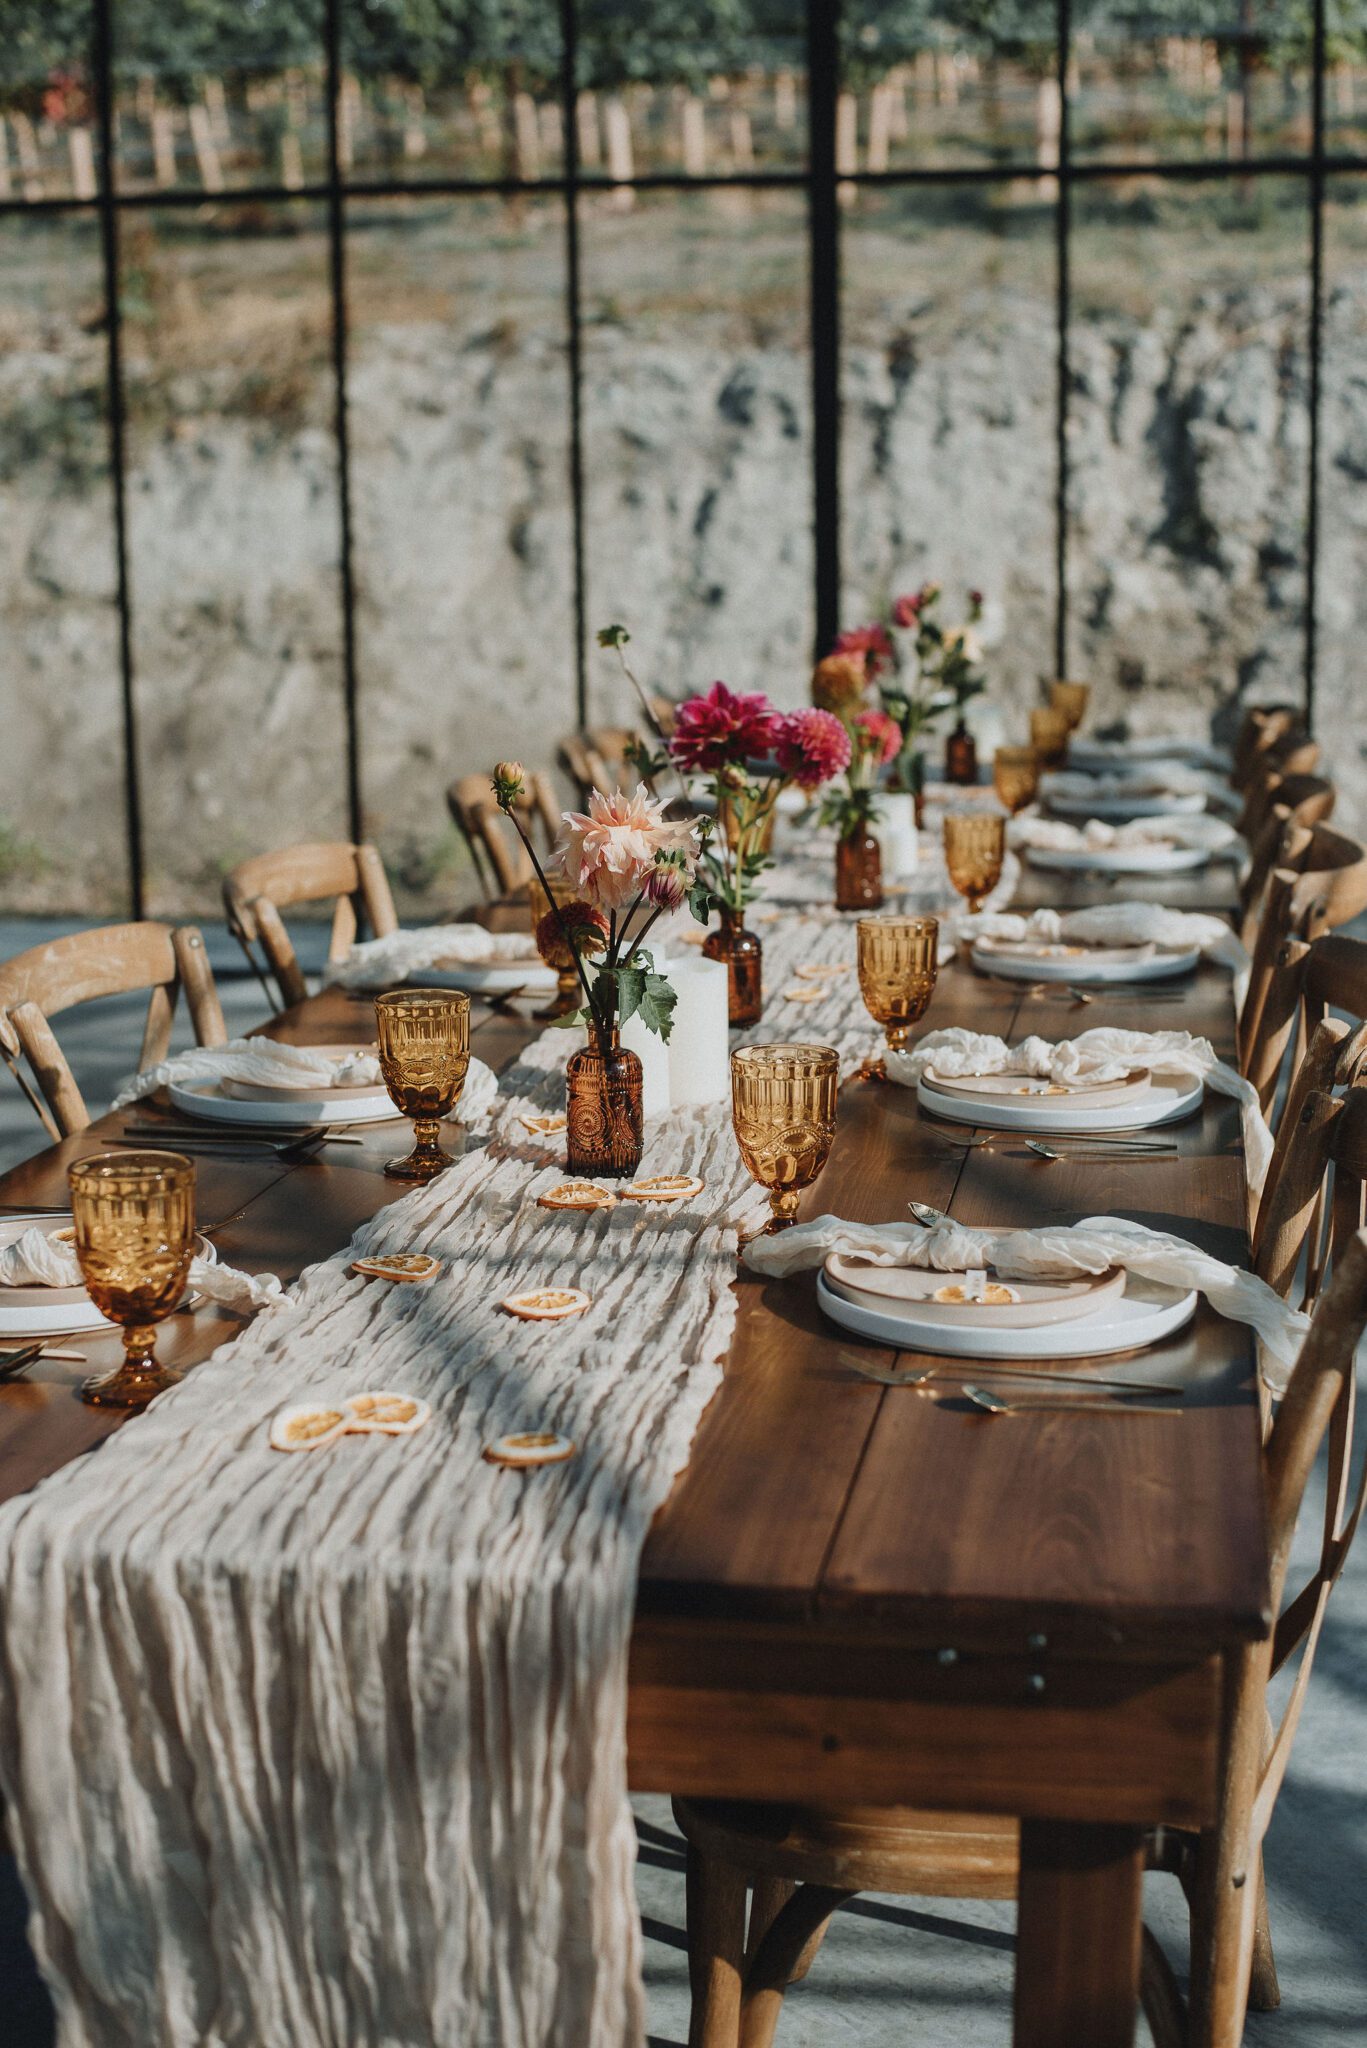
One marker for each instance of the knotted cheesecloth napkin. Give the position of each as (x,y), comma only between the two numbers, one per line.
(1211,835)
(380,963)
(35,1259)
(1103,1054)
(1095,1245)
(1113,924)
(269,1062)
(1176,779)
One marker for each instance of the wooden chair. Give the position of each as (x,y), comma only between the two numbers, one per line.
(112,960)
(1307,799)
(257,890)
(1320,884)
(800,1864)
(496,853)
(1306,849)
(598,759)
(1266,730)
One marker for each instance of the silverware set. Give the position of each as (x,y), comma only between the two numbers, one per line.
(286,1142)
(14,1360)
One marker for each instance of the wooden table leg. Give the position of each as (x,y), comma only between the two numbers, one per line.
(1078,1936)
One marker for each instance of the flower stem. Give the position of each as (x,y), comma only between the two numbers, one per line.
(539,872)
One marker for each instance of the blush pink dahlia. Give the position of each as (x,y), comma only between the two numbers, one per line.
(609,854)
(812,747)
(872,642)
(723,728)
(878,735)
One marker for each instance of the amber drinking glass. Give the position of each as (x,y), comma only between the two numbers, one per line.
(898,963)
(134,1220)
(1071,699)
(553,946)
(975,847)
(424,1038)
(1015,776)
(1049,731)
(783,1108)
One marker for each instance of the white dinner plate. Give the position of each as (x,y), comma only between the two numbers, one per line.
(1085,964)
(990,1091)
(1119,810)
(1146,857)
(490,977)
(1097,757)
(1142,1315)
(55,1311)
(910,1291)
(329,1106)
(1167,1099)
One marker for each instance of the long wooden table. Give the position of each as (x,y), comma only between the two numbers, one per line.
(855,1593)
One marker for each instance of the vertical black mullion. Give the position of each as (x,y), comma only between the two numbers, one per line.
(569,93)
(823,220)
(102,68)
(1063,224)
(1312,520)
(332,31)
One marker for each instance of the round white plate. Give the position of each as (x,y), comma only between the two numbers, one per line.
(1118,810)
(1168,1098)
(988,1091)
(910,1290)
(1142,1315)
(1089,964)
(338,1106)
(1144,858)
(55,1311)
(490,977)
(1093,757)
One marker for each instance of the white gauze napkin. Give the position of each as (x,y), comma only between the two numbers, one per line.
(1113,924)
(379,963)
(269,1062)
(1157,747)
(1092,1246)
(1150,778)
(1103,1054)
(36,1260)
(1212,835)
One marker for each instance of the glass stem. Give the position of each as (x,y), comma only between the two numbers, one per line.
(426,1131)
(139,1341)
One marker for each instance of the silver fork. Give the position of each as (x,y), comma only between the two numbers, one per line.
(998,1404)
(1098,1150)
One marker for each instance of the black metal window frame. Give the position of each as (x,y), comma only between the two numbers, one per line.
(821,180)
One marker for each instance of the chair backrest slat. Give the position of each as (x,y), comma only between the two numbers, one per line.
(256,890)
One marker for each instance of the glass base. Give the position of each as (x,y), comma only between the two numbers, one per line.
(419,1165)
(130,1385)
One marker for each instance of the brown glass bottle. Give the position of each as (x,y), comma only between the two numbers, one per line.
(961,756)
(603,1109)
(858,871)
(744,957)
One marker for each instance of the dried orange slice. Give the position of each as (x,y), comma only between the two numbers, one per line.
(577,1194)
(530,1447)
(547,1304)
(803,994)
(542,1126)
(664,1187)
(821,970)
(399,1266)
(386,1414)
(307,1429)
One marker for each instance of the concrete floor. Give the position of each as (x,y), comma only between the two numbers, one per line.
(892,1971)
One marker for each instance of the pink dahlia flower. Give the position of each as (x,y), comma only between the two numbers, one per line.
(907,610)
(812,747)
(723,728)
(609,855)
(872,642)
(880,735)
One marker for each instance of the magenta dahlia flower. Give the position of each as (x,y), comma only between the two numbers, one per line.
(812,747)
(879,735)
(873,642)
(907,610)
(723,729)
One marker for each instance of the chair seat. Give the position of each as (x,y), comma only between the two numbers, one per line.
(860,1848)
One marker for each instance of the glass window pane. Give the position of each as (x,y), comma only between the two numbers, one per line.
(48,145)
(697,426)
(948,431)
(451,90)
(1206,78)
(1342,593)
(944,85)
(62,825)
(233,541)
(1188,447)
(460,493)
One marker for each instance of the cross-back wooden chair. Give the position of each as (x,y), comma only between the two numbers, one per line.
(257,890)
(800,1864)
(496,853)
(1307,799)
(598,759)
(1266,730)
(112,960)
(1306,849)
(1323,884)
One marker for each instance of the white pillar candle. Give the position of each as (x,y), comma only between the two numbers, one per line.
(699,1048)
(653,1054)
(895,831)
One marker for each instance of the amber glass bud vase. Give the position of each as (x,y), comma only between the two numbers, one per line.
(961,756)
(858,871)
(603,1112)
(744,958)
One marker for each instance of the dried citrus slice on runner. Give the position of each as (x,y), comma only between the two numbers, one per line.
(577,1194)
(543,1126)
(306,1429)
(664,1187)
(401,1266)
(821,970)
(530,1447)
(386,1414)
(803,994)
(547,1304)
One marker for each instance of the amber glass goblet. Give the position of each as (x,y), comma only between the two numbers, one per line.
(783,1109)
(1015,776)
(424,1057)
(975,847)
(1049,731)
(552,945)
(134,1220)
(898,963)
(1072,700)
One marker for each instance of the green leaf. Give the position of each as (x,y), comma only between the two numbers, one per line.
(657,1004)
(701,902)
(570,1021)
(631,988)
